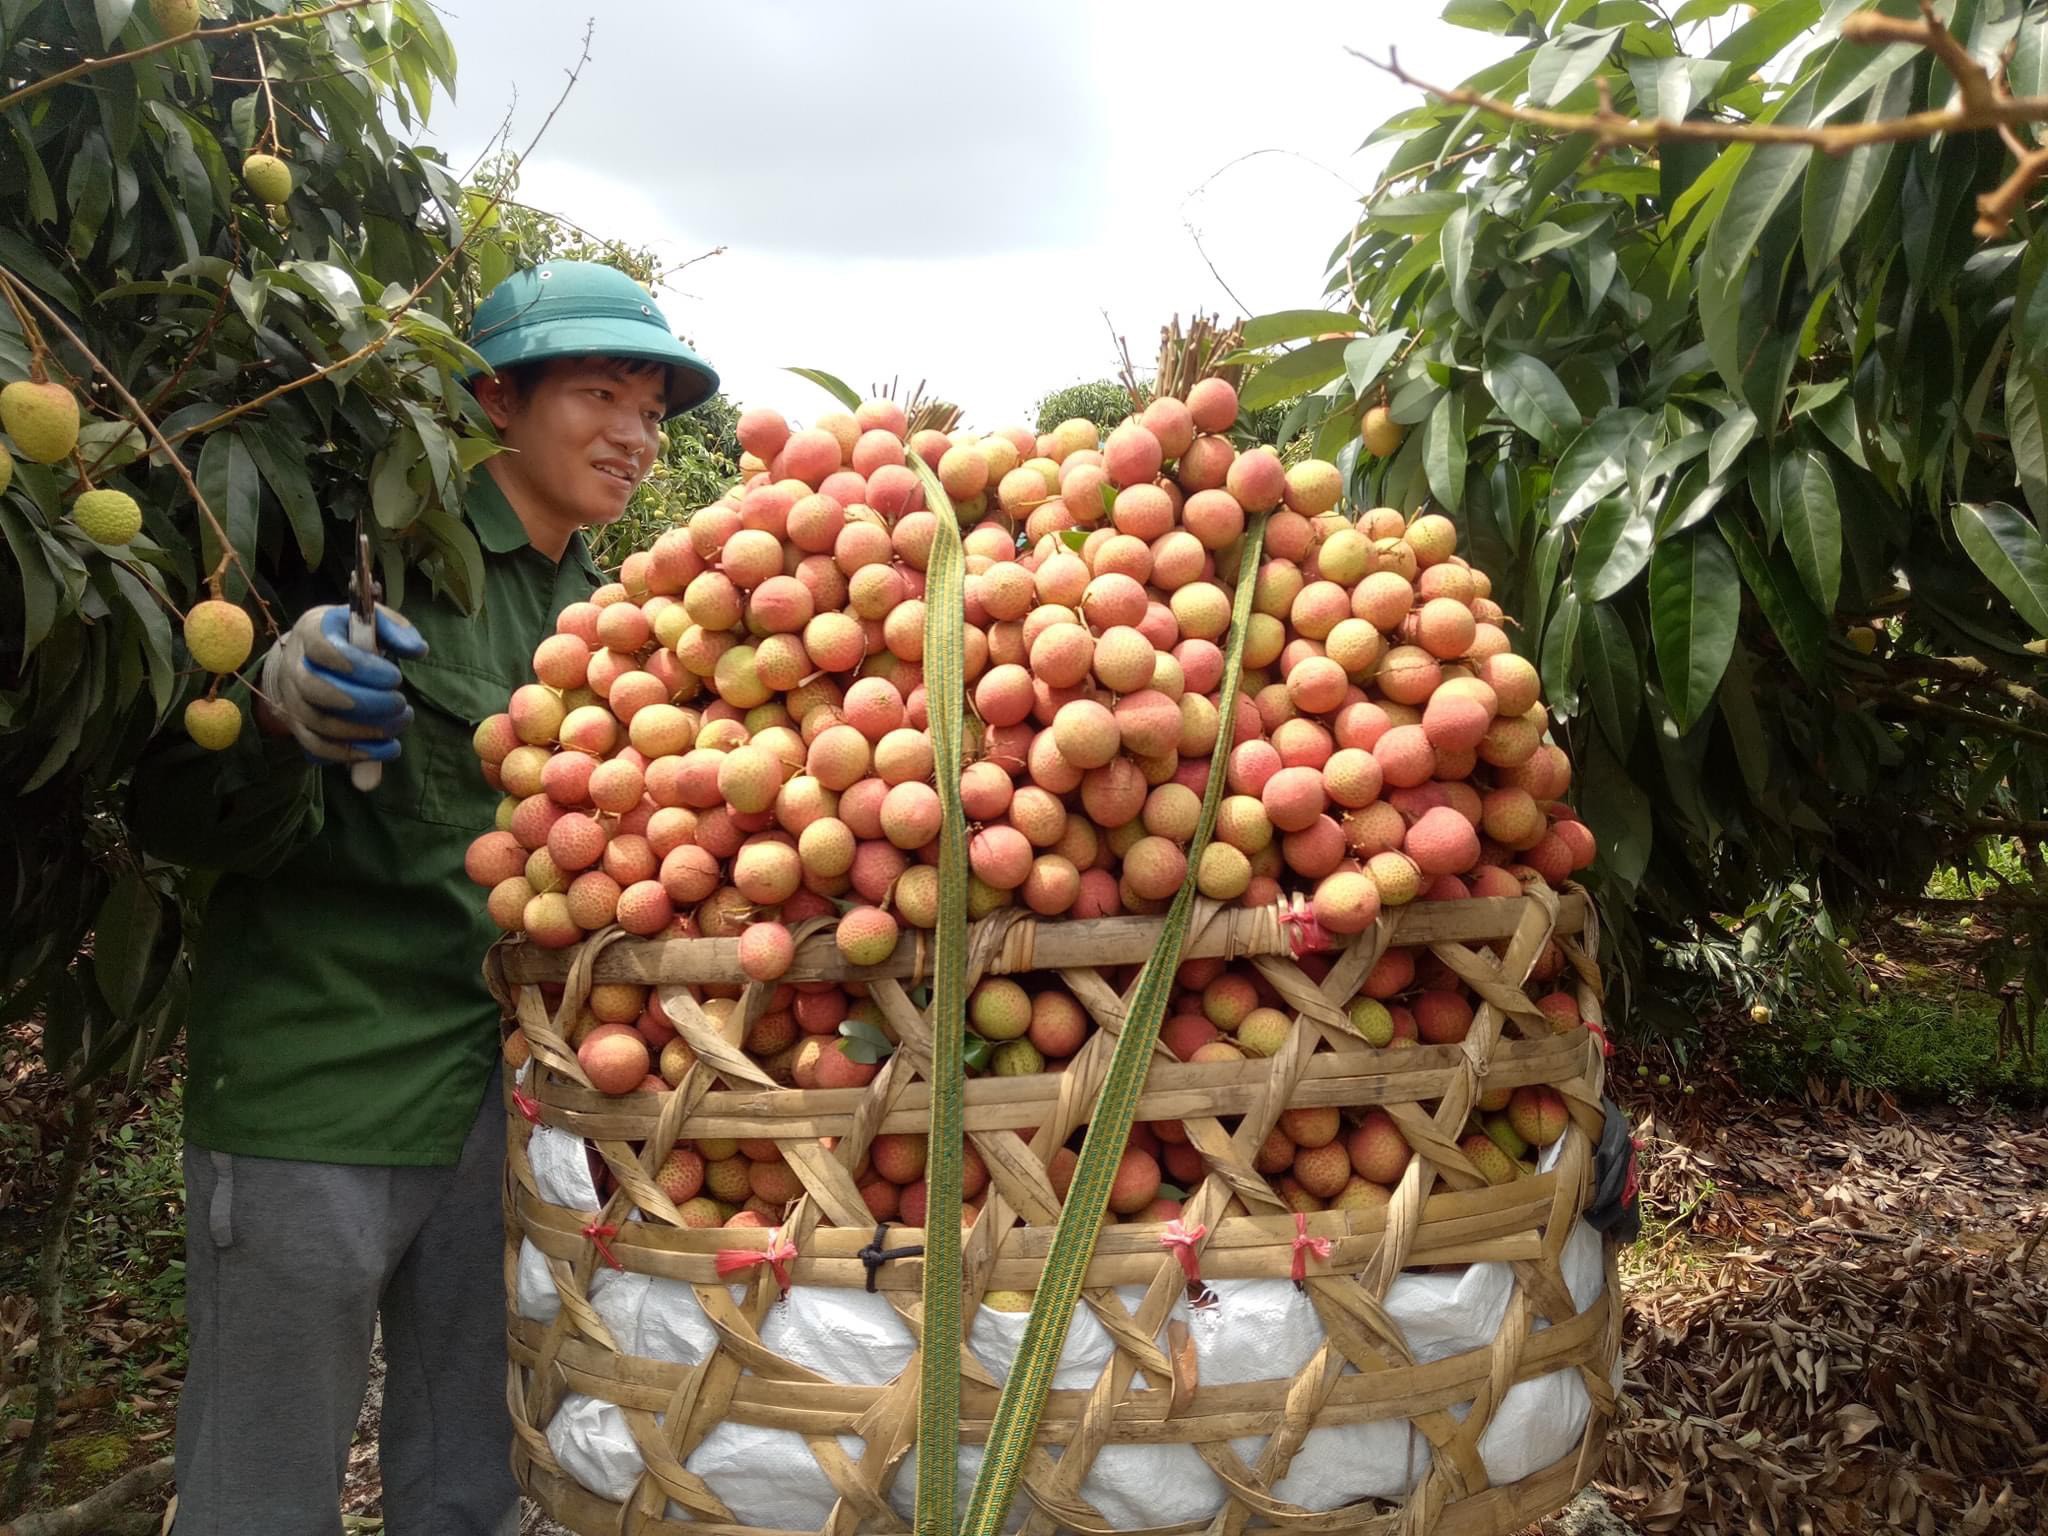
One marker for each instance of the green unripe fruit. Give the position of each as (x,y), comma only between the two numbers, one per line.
(1372,1021)
(214,723)
(268,178)
(174,18)
(41,418)
(108,517)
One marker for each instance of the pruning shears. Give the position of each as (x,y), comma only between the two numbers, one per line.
(363,592)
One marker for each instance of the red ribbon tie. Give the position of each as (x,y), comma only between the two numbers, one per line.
(597,1234)
(1182,1240)
(777,1256)
(1593,1028)
(1305,935)
(527,1107)
(1304,1245)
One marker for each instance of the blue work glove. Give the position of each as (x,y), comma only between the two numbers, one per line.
(341,703)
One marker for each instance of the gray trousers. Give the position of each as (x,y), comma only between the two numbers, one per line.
(289,1268)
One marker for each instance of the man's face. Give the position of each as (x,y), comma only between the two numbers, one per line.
(584,433)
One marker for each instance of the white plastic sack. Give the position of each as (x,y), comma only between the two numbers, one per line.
(591,1441)
(770,1474)
(1262,1330)
(561,1171)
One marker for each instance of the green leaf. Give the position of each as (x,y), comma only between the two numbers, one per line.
(89,190)
(1444,450)
(39,588)
(1559,661)
(837,388)
(284,471)
(1812,523)
(1617,810)
(1730,438)
(1366,359)
(1293,373)
(864,1042)
(1613,675)
(1695,604)
(1294,325)
(1839,188)
(1567,62)
(1739,713)
(1613,550)
(228,480)
(1595,465)
(1533,397)
(124,933)
(156,637)
(2027,74)
(1457,242)
(1668,88)
(2010,552)
(2024,424)
(1764,36)
(113,16)
(1480,15)
(1775,585)
(392,498)
(328,283)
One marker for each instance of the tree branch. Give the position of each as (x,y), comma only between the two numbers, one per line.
(94,1512)
(204,34)
(1996,725)
(148,424)
(1981,103)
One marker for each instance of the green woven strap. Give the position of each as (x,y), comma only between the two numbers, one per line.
(1109,1127)
(945,674)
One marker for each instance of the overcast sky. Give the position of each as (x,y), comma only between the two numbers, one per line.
(950,192)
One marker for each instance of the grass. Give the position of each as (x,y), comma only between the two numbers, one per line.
(1937,1045)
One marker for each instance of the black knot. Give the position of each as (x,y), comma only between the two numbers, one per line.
(874,1256)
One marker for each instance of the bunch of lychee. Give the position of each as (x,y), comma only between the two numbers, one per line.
(823,1035)
(731,738)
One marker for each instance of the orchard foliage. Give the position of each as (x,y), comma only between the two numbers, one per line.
(1751,440)
(302,362)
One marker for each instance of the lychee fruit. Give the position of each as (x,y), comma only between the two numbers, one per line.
(219,635)
(1538,1114)
(1379,1152)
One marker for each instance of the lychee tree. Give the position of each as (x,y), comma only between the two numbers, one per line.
(1754,436)
(230,291)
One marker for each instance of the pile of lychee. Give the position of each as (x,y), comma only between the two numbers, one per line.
(731,738)
(811,1035)
(732,735)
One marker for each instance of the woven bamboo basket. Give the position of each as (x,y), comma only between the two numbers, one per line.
(1443,1213)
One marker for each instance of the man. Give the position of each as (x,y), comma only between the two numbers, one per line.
(344,1139)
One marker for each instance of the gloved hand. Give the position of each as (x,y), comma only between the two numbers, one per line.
(342,704)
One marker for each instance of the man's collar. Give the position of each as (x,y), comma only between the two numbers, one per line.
(497,526)
(499,530)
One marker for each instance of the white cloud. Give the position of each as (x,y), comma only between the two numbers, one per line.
(955,194)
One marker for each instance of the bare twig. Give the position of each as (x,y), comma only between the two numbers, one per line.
(269,102)
(1981,103)
(1996,725)
(94,1512)
(205,34)
(389,334)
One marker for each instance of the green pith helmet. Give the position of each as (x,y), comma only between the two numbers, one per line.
(585,309)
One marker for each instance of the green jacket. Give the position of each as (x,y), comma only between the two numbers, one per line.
(339,1012)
